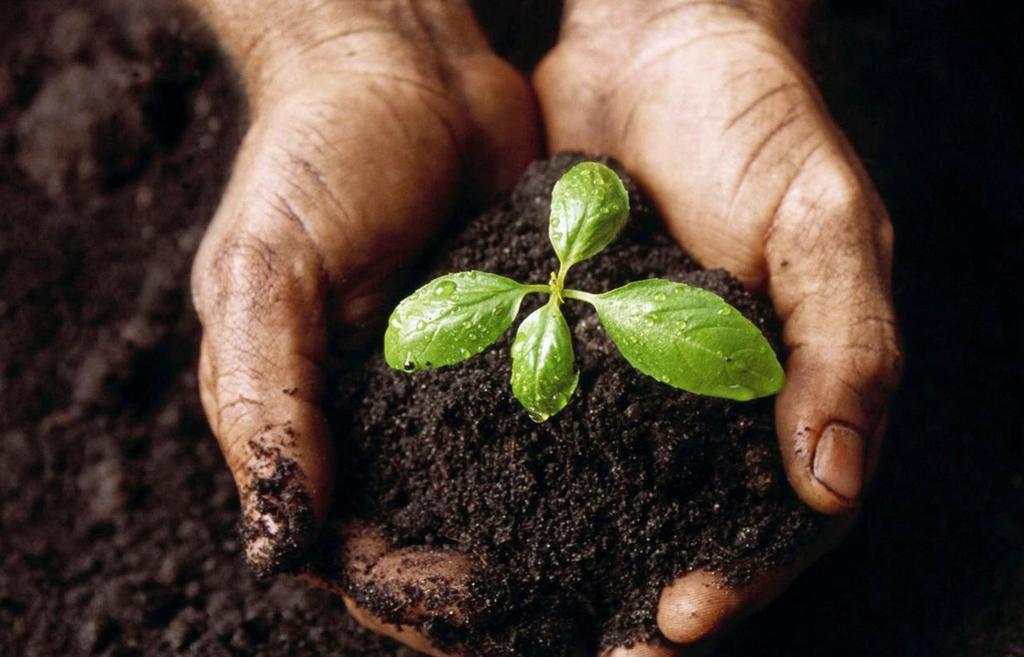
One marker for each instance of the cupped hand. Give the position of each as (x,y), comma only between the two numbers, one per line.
(365,122)
(708,105)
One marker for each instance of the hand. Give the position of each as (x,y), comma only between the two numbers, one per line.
(707,104)
(366,121)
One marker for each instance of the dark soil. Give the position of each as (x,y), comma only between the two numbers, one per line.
(117,515)
(583,519)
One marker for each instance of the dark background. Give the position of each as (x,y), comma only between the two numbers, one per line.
(117,126)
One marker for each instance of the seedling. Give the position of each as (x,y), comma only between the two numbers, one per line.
(681,335)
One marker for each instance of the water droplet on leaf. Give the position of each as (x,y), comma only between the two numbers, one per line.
(444,288)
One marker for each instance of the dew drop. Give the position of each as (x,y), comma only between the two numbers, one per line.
(659,297)
(555,221)
(683,325)
(420,325)
(724,311)
(444,289)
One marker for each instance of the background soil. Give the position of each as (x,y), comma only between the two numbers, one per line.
(117,125)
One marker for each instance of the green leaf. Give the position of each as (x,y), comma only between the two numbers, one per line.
(589,206)
(450,319)
(689,338)
(544,375)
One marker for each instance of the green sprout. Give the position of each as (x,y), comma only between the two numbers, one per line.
(681,335)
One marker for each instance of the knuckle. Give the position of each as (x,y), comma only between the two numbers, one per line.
(885,365)
(249,276)
(823,212)
(834,194)
(873,357)
(244,266)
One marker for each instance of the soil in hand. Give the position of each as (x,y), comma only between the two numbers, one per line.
(581,520)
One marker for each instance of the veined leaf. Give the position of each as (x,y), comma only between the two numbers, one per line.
(689,338)
(450,319)
(589,206)
(544,375)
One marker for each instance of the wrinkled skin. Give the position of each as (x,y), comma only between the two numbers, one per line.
(368,119)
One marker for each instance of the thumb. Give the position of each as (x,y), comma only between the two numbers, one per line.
(829,257)
(259,288)
(421,596)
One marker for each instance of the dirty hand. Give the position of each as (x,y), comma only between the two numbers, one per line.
(365,121)
(708,106)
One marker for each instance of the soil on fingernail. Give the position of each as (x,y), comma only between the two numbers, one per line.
(581,520)
(277,520)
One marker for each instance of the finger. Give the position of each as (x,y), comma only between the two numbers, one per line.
(405,635)
(662,650)
(698,606)
(497,96)
(300,220)
(260,295)
(829,255)
(416,595)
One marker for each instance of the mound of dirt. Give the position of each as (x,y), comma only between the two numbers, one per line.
(583,519)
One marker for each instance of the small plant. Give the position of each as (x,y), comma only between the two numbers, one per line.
(681,335)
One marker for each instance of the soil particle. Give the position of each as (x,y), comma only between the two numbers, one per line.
(581,520)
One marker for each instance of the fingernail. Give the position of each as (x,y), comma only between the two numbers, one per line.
(839,461)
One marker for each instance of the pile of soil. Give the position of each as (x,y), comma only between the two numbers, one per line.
(118,517)
(583,519)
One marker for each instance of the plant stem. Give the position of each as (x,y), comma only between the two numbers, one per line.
(580,296)
(538,287)
(560,278)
